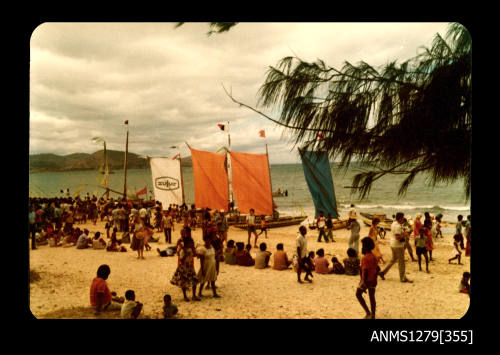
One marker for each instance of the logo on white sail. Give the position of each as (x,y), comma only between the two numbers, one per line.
(166,183)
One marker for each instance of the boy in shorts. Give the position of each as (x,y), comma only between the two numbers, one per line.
(369,271)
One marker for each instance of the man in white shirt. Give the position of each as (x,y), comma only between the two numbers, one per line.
(301,243)
(397,247)
(321,223)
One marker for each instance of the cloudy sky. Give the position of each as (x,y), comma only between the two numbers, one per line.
(86,79)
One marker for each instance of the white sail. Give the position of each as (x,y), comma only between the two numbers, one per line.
(167,180)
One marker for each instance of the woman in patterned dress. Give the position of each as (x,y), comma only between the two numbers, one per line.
(185,275)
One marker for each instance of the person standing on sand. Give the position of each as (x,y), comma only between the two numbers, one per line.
(354,227)
(369,269)
(397,247)
(207,272)
(373,233)
(430,242)
(321,224)
(185,275)
(301,243)
(167,226)
(138,238)
(329,227)
(407,232)
(250,221)
(32,227)
(467,235)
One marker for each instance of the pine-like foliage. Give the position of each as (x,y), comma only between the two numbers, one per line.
(406,118)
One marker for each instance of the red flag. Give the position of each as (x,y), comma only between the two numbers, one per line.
(320,135)
(142,192)
(262,133)
(221,126)
(176,156)
(126,122)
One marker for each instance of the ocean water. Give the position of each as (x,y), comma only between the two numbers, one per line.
(447,199)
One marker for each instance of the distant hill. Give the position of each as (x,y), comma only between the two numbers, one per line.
(94,161)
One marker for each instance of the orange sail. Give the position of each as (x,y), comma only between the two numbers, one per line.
(210,180)
(252,183)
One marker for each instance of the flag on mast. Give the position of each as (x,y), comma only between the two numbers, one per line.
(262,133)
(221,126)
(142,192)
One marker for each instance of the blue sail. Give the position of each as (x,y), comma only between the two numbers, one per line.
(319,180)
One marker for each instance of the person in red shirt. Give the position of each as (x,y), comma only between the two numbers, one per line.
(100,295)
(369,271)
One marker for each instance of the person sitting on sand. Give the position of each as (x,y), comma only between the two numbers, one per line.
(420,243)
(281,261)
(130,308)
(369,270)
(337,267)
(229,253)
(457,254)
(262,257)
(243,257)
(169,308)
(464,286)
(352,263)
(100,296)
(321,263)
(84,240)
(98,242)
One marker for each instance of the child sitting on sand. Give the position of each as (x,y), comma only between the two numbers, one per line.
(321,263)
(130,308)
(229,253)
(243,257)
(464,286)
(351,264)
(169,309)
(281,261)
(98,242)
(337,267)
(262,257)
(456,250)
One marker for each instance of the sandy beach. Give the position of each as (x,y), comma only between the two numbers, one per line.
(62,291)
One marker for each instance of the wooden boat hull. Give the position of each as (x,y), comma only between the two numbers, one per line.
(337,224)
(367,219)
(282,222)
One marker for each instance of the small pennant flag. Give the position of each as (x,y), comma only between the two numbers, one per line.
(176,156)
(142,192)
(262,133)
(126,122)
(221,126)
(320,135)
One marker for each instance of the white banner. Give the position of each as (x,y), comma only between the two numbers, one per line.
(167,182)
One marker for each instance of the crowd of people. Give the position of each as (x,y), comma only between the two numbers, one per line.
(54,222)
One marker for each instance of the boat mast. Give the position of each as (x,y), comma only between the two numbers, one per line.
(229,176)
(106,171)
(125,167)
(270,180)
(182,178)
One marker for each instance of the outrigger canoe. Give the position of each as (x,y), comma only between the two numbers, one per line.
(337,224)
(367,219)
(282,222)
